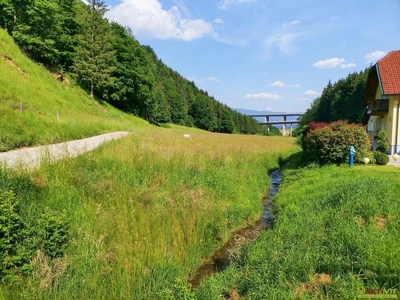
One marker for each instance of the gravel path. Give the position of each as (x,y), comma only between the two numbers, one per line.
(30,158)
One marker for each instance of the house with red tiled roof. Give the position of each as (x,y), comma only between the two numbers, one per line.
(382,97)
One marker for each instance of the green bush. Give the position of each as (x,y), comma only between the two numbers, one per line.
(370,155)
(381,158)
(12,233)
(52,231)
(331,144)
(383,145)
(22,236)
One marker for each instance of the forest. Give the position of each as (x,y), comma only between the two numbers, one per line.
(74,40)
(342,100)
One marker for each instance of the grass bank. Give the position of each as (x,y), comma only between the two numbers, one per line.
(37,109)
(142,211)
(335,237)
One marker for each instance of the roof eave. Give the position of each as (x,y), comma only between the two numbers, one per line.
(371,86)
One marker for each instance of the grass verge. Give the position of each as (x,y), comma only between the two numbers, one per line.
(336,236)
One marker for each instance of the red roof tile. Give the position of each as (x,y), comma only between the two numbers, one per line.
(389,73)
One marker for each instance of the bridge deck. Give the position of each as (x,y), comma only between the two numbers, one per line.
(279,122)
(276,115)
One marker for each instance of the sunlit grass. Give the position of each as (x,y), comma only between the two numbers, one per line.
(336,223)
(149,208)
(36,109)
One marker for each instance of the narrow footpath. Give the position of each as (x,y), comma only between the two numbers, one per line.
(30,158)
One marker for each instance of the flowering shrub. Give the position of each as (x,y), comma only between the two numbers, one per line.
(316,125)
(331,143)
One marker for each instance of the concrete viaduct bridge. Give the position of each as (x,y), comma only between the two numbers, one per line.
(283,122)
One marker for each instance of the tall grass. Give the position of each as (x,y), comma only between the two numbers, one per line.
(336,235)
(52,111)
(146,209)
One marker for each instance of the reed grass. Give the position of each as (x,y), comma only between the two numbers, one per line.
(147,209)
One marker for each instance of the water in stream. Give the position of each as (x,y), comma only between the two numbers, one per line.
(220,260)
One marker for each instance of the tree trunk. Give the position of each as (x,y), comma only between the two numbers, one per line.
(91,88)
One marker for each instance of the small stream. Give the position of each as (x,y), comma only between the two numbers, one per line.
(220,260)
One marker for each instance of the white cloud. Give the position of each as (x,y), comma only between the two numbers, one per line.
(311,93)
(278,83)
(290,24)
(333,63)
(284,42)
(212,79)
(301,98)
(374,56)
(306,96)
(208,79)
(348,65)
(296,85)
(230,2)
(329,63)
(181,5)
(149,20)
(283,38)
(218,21)
(262,96)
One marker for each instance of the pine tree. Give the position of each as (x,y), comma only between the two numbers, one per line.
(324,110)
(94,59)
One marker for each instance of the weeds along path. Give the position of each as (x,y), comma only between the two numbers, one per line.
(31,158)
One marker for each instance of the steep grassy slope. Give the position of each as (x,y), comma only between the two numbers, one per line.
(52,111)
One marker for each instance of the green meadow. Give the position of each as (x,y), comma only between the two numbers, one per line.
(143,211)
(336,236)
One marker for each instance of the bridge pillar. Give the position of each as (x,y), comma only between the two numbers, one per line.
(291,130)
(266,119)
(284,126)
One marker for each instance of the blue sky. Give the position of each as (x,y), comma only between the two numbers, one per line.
(263,55)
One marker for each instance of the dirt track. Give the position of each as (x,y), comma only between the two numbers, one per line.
(30,158)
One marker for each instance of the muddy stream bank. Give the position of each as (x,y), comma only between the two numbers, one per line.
(220,260)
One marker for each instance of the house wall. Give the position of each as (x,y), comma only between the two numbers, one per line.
(394,124)
(389,128)
(388,122)
(379,123)
(378,93)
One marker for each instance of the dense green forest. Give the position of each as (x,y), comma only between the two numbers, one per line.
(74,39)
(342,100)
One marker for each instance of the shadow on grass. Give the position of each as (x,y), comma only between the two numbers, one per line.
(294,161)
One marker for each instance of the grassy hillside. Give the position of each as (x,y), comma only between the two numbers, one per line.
(52,111)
